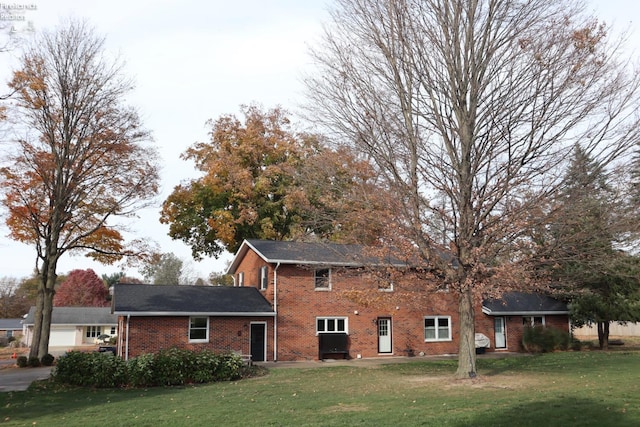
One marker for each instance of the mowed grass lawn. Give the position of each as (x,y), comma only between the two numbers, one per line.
(590,388)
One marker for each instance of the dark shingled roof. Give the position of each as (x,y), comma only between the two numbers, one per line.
(170,300)
(516,303)
(311,253)
(77,316)
(10,324)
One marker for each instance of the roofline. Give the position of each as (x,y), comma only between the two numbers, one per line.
(522,313)
(246,244)
(115,322)
(191,313)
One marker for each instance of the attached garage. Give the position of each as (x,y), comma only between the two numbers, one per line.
(62,336)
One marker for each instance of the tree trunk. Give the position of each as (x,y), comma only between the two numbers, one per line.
(47,306)
(37,322)
(603,335)
(467,347)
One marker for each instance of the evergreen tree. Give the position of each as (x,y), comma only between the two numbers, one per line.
(603,281)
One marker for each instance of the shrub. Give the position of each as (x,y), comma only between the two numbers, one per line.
(22,361)
(33,361)
(47,360)
(91,369)
(141,370)
(539,339)
(165,368)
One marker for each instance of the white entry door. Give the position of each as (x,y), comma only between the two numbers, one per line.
(500,333)
(384,335)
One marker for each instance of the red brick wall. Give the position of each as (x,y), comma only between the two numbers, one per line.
(299,304)
(515,329)
(152,334)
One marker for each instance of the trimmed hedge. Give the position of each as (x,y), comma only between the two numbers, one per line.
(165,368)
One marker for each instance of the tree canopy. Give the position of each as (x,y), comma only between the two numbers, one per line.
(470,110)
(262,179)
(82,288)
(81,158)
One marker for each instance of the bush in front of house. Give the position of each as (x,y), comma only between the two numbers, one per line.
(539,339)
(93,369)
(33,362)
(141,370)
(165,368)
(47,359)
(22,361)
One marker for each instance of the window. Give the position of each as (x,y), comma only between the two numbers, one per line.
(323,278)
(240,279)
(264,277)
(94,331)
(437,328)
(331,324)
(199,329)
(113,331)
(533,320)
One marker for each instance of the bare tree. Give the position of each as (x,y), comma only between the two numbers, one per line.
(470,108)
(81,159)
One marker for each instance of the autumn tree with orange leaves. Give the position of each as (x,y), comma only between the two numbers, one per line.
(81,159)
(470,110)
(263,179)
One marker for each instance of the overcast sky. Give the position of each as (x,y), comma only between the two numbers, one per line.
(196,60)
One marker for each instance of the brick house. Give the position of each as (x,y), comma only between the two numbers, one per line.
(305,284)
(291,302)
(156,317)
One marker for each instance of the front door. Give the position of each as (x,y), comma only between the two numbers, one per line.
(258,342)
(384,335)
(500,332)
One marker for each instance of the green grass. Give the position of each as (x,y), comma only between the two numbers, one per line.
(559,389)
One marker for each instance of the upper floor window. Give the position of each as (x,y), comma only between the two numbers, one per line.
(264,277)
(437,328)
(323,278)
(198,329)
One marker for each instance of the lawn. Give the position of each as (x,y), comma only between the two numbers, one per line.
(590,388)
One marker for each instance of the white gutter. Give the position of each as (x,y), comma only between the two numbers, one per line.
(126,351)
(275,311)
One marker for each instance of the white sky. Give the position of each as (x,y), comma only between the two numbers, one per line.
(196,60)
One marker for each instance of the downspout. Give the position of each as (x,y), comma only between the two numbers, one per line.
(126,354)
(275,309)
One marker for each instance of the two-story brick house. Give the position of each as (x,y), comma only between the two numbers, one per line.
(308,285)
(295,301)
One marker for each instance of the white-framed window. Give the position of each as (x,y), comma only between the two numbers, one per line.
(332,324)
(264,277)
(198,329)
(322,278)
(437,328)
(533,320)
(240,279)
(113,331)
(93,331)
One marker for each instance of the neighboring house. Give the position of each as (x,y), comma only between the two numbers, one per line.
(74,326)
(308,284)
(221,319)
(10,328)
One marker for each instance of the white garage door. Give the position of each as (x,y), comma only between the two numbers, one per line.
(62,336)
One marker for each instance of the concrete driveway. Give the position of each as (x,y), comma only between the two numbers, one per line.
(13,378)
